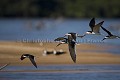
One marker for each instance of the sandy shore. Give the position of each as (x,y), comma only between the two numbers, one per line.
(10,52)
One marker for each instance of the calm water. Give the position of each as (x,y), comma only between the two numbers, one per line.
(49,29)
(62,72)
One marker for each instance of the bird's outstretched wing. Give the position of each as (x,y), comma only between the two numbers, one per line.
(109,33)
(92,23)
(4,66)
(96,29)
(59,39)
(58,44)
(32,60)
(71,45)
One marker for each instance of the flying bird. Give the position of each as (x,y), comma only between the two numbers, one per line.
(61,40)
(71,41)
(95,28)
(31,57)
(72,47)
(73,35)
(110,35)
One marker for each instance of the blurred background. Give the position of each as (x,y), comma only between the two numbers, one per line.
(48,19)
(60,8)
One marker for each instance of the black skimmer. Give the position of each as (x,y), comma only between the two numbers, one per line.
(73,35)
(72,47)
(72,50)
(71,41)
(95,28)
(31,57)
(62,40)
(110,35)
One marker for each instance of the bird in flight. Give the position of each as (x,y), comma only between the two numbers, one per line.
(61,40)
(71,41)
(110,35)
(31,57)
(73,35)
(72,47)
(95,28)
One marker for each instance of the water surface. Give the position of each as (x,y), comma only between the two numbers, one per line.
(62,72)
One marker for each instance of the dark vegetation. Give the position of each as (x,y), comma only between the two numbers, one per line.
(60,8)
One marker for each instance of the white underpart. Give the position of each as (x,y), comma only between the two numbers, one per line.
(24,56)
(88,33)
(67,34)
(62,42)
(93,33)
(117,37)
(54,52)
(76,35)
(106,37)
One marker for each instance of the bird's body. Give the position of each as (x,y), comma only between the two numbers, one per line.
(31,57)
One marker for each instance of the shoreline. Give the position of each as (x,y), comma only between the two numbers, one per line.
(10,52)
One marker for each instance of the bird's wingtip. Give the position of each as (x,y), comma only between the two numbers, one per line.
(75,61)
(103,39)
(36,66)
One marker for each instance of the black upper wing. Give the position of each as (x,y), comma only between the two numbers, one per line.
(109,33)
(60,39)
(32,60)
(92,23)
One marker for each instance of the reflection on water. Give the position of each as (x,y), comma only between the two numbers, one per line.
(61,72)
